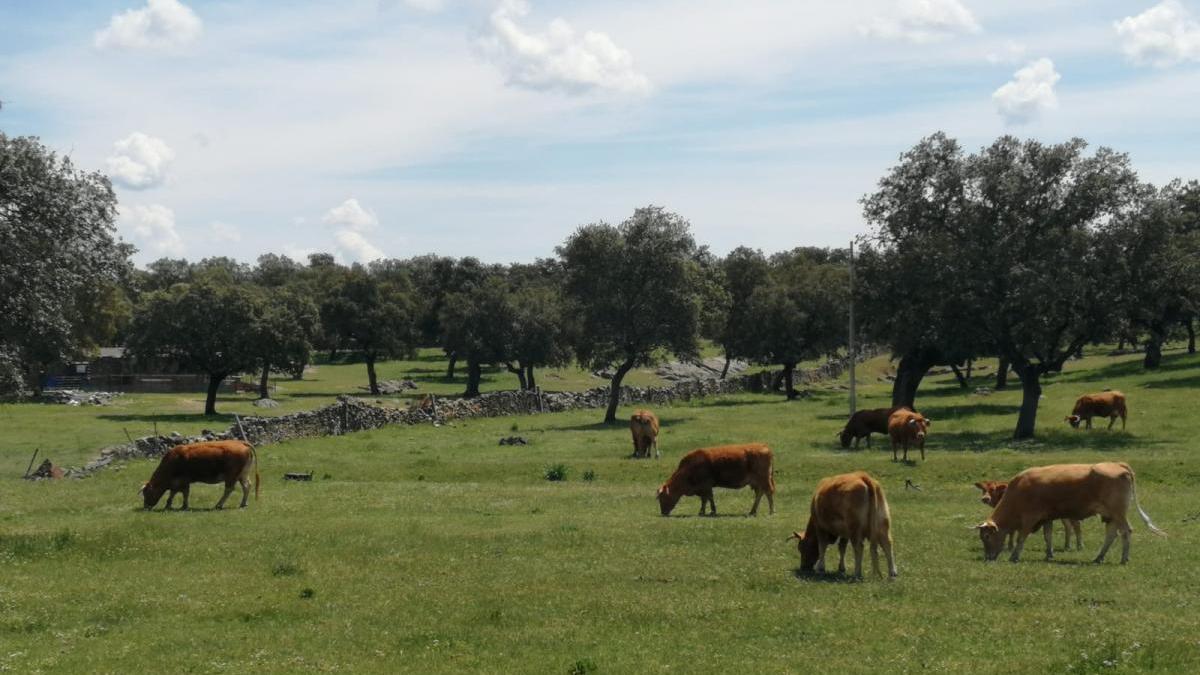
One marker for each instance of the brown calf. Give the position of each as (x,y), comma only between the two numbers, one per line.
(228,462)
(728,466)
(907,428)
(644,426)
(847,508)
(1075,491)
(993,490)
(1110,404)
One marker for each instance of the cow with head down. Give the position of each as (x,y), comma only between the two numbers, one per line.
(1043,494)
(727,466)
(848,508)
(228,462)
(906,429)
(864,423)
(993,491)
(1110,404)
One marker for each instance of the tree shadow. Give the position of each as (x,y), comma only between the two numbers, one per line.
(166,418)
(827,577)
(1175,383)
(1133,367)
(622,425)
(1046,441)
(937,412)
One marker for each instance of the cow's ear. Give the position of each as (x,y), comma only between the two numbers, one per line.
(142,489)
(664,491)
(981,486)
(928,422)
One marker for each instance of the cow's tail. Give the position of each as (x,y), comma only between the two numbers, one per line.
(254,454)
(1145,516)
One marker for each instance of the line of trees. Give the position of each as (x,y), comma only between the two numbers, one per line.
(1021,251)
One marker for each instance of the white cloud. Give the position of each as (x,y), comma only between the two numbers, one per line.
(1029,92)
(1010,52)
(153,228)
(352,216)
(298,253)
(1162,36)
(140,161)
(923,21)
(161,24)
(558,59)
(355,247)
(224,231)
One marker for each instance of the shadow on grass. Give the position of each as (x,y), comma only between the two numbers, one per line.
(621,424)
(1131,368)
(185,418)
(1046,441)
(1191,382)
(937,412)
(828,577)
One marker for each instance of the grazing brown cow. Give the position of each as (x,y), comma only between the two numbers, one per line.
(993,490)
(864,423)
(1110,404)
(644,426)
(1076,491)
(228,462)
(727,466)
(908,428)
(848,508)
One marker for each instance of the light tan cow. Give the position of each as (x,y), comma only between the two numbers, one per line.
(848,508)
(644,427)
(908,428)
(1043,494)
(993,491)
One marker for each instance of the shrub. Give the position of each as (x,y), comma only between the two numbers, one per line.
(582,667)
(589,475)
(556,472)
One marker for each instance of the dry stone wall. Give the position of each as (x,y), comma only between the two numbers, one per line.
(350,414)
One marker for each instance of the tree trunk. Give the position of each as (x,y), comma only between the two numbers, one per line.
(371,379)
(333,352)
(474,374)
(1120,344)
(1191,328)
(529,379)
(777,381)
(725,370)
(1002,374)
(970,368)
(1153,351)
(789,370)
(962,380)
(263,382)
(614,392)
(519,371)
(298,371)
(909,373)
(1031,392)
(450,366)
(210,401)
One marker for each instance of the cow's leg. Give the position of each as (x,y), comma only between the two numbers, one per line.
(1111,421)
(1078,527)
(1125,532)
(770,501)
(821,544)
(886,544)
(1089,423)
(757,498)
(905,452)
(1048,535)
(1011,535)
(1109,536)
(228,491)
(1016,552)
(842,555)
(170,500)
(893,450)
(868,442)
(245,491)
(922,451)
(657,455)
(187,491)
(858,555)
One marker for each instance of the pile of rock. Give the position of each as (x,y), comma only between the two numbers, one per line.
(78,397)
(389,387)
(705,369)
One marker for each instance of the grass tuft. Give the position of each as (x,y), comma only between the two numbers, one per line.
(555,472)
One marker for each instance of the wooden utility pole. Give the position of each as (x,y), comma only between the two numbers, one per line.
(853,353)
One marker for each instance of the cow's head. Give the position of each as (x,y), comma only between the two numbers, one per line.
(992,538)
(151,494)
(993,490)
(845,437)
(667,499)
(1073,420)
(918,425)
(807,546)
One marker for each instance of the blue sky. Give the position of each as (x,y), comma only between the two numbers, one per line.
(493,128)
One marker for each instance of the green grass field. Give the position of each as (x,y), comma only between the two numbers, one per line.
(434,550)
